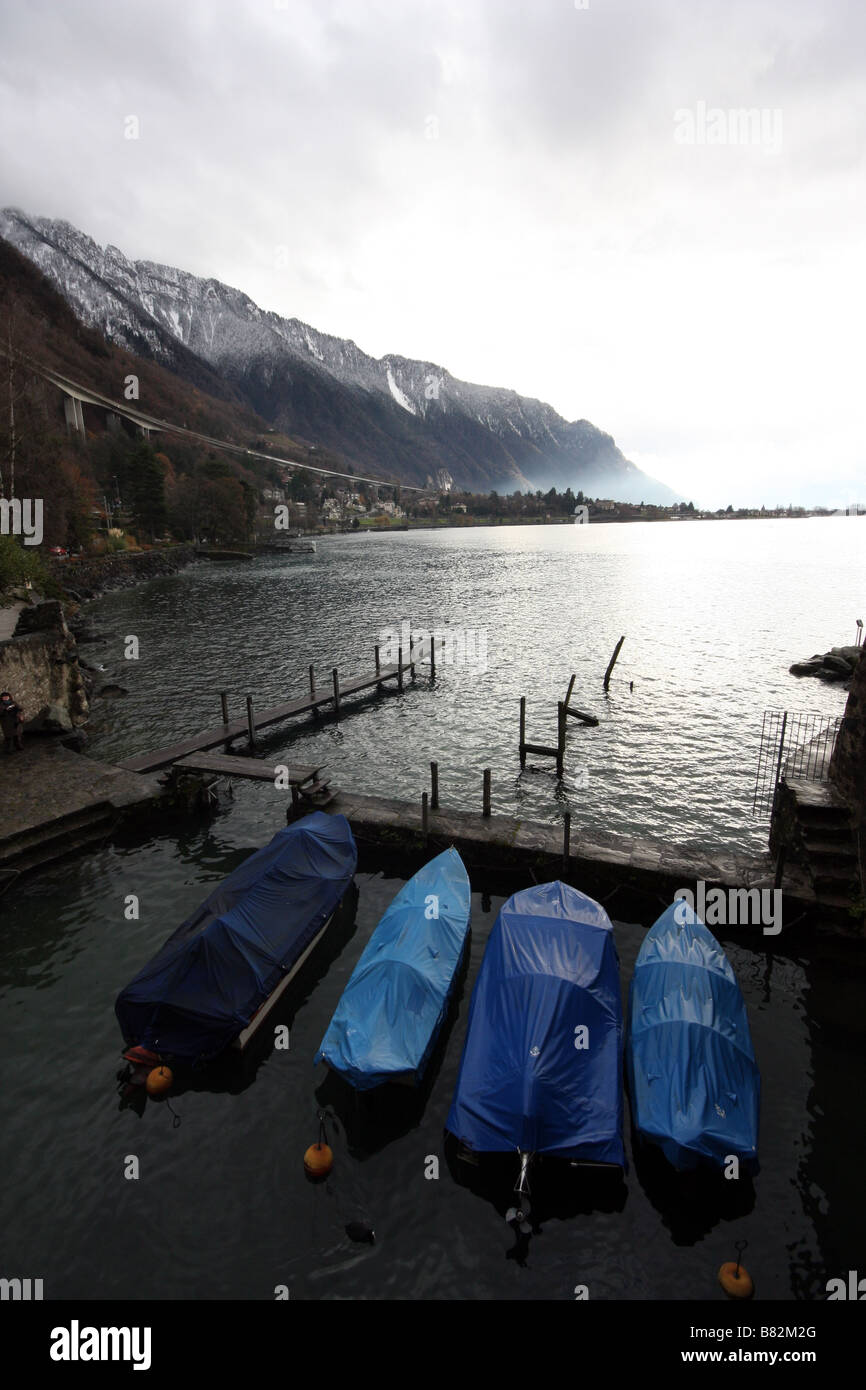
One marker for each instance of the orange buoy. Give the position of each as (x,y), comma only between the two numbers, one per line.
(735,1280)
(159,1081)
(318,1160)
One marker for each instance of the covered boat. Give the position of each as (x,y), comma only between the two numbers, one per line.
(541,1071)
(221,971)
(386,1023)
(694,1082)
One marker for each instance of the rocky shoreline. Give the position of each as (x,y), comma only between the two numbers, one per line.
(838,664)
(94,576)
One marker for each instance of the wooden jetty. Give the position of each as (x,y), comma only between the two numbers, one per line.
(318,699)
(228,765)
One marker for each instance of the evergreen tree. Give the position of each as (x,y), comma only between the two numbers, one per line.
(147,479)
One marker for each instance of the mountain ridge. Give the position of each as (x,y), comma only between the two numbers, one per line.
(408,416)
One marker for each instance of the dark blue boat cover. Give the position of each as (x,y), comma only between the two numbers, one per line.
(549,982)
(694,1083)
(390,1012)
(203,987)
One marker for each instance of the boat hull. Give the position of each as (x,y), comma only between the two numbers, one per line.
(541,1070)
(219,972)
(693,1080)
(389,1016)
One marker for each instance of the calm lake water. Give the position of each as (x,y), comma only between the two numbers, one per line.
(713,615)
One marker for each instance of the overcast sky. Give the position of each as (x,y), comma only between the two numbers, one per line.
(532,194)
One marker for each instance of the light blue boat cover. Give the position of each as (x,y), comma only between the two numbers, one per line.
(550,970)
(203,987)
(694,1083)
(390,1012)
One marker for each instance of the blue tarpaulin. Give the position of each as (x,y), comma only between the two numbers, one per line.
(203,987)
(542,1065)
(694,1083)
(390,1012)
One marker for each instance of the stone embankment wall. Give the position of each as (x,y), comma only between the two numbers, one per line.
(87,578)
(39,666)
(848,768)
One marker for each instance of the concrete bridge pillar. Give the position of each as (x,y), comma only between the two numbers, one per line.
(74,415)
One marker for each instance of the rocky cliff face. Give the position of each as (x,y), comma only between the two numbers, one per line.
(39,666)
(410,419)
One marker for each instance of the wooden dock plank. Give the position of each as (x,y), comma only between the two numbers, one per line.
(251,768)
(224,733)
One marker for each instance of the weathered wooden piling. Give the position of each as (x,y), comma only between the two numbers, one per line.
(486,811)
(612,662)
(432,657)
(251,723)
(583,716)
(560,739)
(577,713)
(424,821)
(400,668)
(336,680)
(378,662)
(434,786)
(224,705)
(545,750)
(313,681)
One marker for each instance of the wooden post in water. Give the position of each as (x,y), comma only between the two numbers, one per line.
(432,657)
(570,688)
(336,680)
(399,668)
(523,731)
(251,723)
(612,662)
(313,682)
(411,656)
(378,666)
(224,703)
(566,843)
(487,791)
(424,826)
(434,786)
(560,739)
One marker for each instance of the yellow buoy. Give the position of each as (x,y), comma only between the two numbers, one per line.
(735,1280)
(318,1160)
(159,1081)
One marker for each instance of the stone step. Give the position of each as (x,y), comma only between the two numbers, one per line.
(66,834)
(824,833)
(835,883)
(838,902)
(827,853)
(816,817)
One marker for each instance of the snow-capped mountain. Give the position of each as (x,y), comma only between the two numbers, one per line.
(411,418)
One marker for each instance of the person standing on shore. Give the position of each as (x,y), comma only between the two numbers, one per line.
(11,723)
